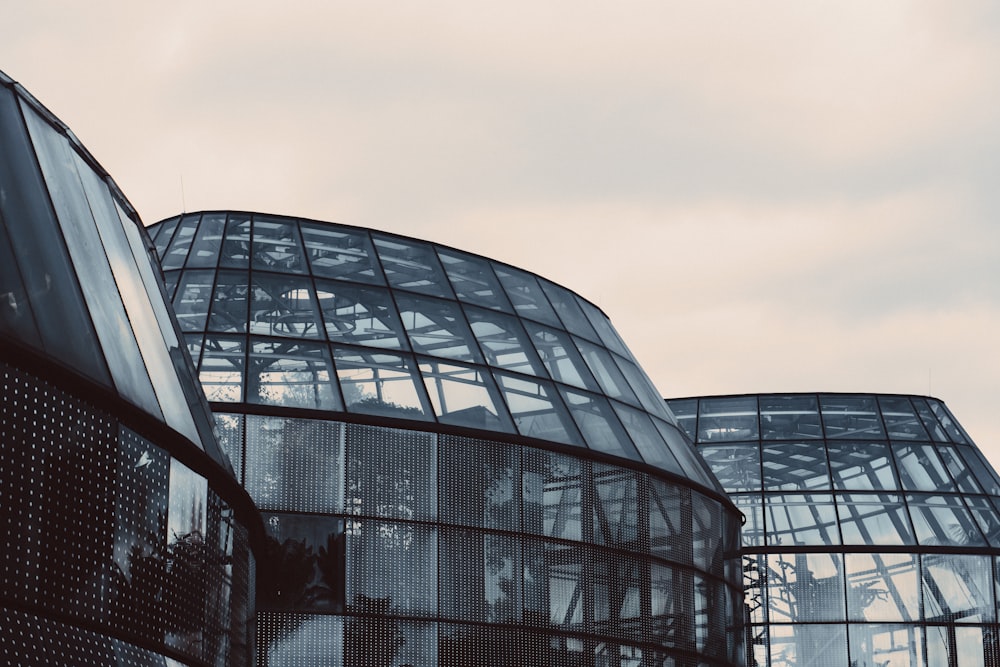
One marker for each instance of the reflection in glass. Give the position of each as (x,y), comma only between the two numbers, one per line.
(291,374)
(379,383)
(464,396)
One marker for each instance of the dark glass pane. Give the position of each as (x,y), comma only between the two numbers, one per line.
(473,280)
(686,413)
(380,383)
(736,466)
(616,503)
(650,399)
(789,418)
(341,253)
(551,494)
(44,265)
(390,565)
(950,424)
(290,639)
(598,423)
(670,534)
(16,318)
(412,265)
(360,315)
(480,576)
(479,483)
(231,430)
(162,233)
(647,439)
(603,367)
(306,563)
(527,296)
(965,481)
(569,312)
(276,246)
(193,298)
(221,372)
(604,329)
(390,473)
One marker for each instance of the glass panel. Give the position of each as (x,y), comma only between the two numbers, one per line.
(223,360)
(652,447)
(341,253)
(752,506)
(15,311)
(526,295)
(295,639)
(229,305)
(473,280)
(686,413)
(74,213)
(791,466)
(537,410)
(554,584)
(869,519)
(901,422)
(943,520)
(391,473)
(808,646)
(670,522)
(291,374)
(412,265)
(930,422)
(789,417)
(504,342)
(180,246)
(569,312)
(800,520)
(616,596)
(736,466)
(479,483)
(307,569)
(706,534)
(231,430)
(561,357)
(950,424)
(598,424)
(616,503)
(964,479)
(986,517)
(192,299)
(236,248)
(379,383)
(205,251)
(480,576)
(295,465)
(284,306)
(862,466)
(551,494)
(727,419)
(681,448)
(651,399)
(162,233)
(672,598)
(887,645)
(983,471)
(276,246)
(44,266)
(437,327)
(391,566)
(603,367)
(851,417)
(805,587)
(602,325)
(882,587)
(360,315)
(186,530)
(958,588)
(464,396)
(920,469)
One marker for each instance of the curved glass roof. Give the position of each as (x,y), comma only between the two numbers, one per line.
(297,313)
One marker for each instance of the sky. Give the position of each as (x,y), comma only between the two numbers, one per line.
(763,197)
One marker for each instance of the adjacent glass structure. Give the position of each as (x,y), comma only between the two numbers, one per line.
(459,462)
(872,531)
(126,538)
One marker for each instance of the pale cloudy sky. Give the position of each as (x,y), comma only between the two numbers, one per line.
(763,196)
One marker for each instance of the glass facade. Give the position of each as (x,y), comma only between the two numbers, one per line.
(126,539)
(872,532)
(459,463)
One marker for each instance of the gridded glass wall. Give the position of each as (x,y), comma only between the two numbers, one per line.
(114,552)
(873,527)
(401,547)
(295,313)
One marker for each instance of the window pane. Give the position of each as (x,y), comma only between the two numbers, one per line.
(504,342)
(464,396)
(291,374)
(791,466)
(276,246)
(789,417)
(379,383)
(283,306)
(236,248)
(598,423)
(561,357)
(726,419)
(569,312)
(180,246)
(390,473)
(473,280)
(337,252)
(412,265)
(603,367)
(736,466)
(851,417)
(801,519)
(525,293)
(958,588)
(307,567)
(391,565)
(862,466)
(360,315)
(205,250)
(194,294)
(901,422)
(537,410)
(882,587)
(223,360)
(437,328)
(229,304)
(867,519)
(805,587)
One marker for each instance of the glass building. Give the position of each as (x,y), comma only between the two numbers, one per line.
(872,531)
(459,463)
(126,538)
